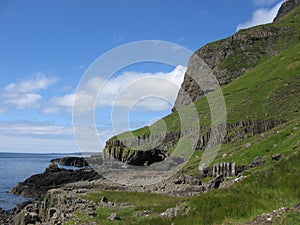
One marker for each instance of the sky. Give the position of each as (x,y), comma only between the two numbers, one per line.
(47,46)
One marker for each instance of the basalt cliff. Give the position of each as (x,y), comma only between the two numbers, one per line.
(229,59)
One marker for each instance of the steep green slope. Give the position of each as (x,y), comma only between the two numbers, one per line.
(271,90)
(266,188)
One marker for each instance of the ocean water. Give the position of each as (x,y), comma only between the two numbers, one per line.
(15,168)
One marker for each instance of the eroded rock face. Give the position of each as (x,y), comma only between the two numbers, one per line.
(118,149)
(56,207)
(286,7)
(71,161)
(231,57)
(227,59)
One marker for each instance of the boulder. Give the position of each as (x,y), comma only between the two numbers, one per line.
(214,184)
(257,161)
(114,216)
(183,179)
(275,157)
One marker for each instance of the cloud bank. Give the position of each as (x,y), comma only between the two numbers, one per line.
(124,90)
(25,94)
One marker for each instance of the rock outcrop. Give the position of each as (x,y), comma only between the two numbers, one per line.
(37,185)
(123,150)
(286,7)
(225,169)
(233,56)
(71,161)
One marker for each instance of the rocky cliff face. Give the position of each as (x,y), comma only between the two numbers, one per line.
(227,59)
(233,56)
(122,149)
(286,7)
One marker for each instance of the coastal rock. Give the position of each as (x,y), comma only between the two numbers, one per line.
(6,217)
(71,161)
(37,185)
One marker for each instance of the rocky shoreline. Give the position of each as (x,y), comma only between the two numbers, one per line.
(57,192)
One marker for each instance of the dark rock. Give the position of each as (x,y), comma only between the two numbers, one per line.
(285,8)
(257,161)
(114,216)
(71,161)
(297,207)
(6,217)
(225,168)
(104,200)
(215,184)
(183,179)
(37,185)
(117,149)
(276,157)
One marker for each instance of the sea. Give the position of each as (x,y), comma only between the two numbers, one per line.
(15,168)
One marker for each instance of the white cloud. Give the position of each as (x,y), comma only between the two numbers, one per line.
(37,145)
(34,129)
(51,110)
(40,82)
(23,101)
(264,2)
(24,94)
(147,91)
(261,16)
(126,89)
(64,101)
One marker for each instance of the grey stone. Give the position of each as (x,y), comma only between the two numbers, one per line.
(276,157)
(114,216)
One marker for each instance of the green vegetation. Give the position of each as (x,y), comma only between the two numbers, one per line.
(262,191)
(269,91)
(137,202)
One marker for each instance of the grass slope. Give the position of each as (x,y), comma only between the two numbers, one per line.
(271,90)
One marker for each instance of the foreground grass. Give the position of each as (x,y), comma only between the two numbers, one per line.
(155,203)
(271,90)
(263,191)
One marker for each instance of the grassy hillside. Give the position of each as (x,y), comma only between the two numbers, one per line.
(270,91)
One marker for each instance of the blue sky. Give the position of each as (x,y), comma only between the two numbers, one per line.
(46,46)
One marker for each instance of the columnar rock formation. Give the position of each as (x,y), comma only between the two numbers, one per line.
(133,151)
(224,169)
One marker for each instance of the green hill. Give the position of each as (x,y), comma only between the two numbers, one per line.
(268,90)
